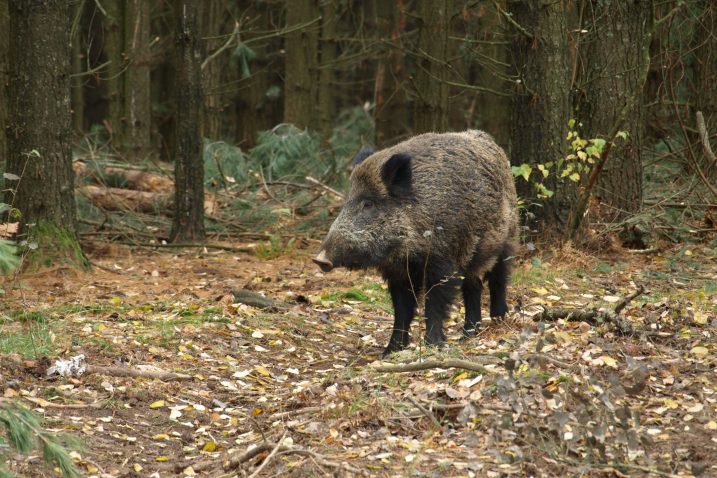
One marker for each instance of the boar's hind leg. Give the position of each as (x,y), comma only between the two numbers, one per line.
(404,306)
(498,282)
(472,291)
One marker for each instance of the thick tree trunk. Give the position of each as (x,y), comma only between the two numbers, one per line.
(326,87)
(188,221)
(40,127)
(300,79)
(213,22)
(541,103)
(615,62)
(77,99)
(389,96)
(705,92)
(113,45)
(430,104)
(137,107)
(4,75)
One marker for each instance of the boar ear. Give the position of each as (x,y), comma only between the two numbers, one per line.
(396,174)
(361,156)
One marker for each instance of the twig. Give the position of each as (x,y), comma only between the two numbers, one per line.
(219,50)
(268,458)
(428,414)
(328,188)
(510,19)
(704,137)
(323,461)
(300,411)
(547,358)
(475,365)
(188,245)
(132,372)
(593,316)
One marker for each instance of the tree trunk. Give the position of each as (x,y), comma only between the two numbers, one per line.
(430,105)
(188,221)
(300,77)
(705,93)
(114,46)
(214,22)
(40,125)
(541,104)
(615,62)
(389,96)
(78,98)
(326,87)
(4,75)
(137,113)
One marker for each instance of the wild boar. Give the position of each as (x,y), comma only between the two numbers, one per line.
(432,213)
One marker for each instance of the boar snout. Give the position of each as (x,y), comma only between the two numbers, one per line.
(323,261)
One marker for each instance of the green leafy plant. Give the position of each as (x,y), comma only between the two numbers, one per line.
(575,166)
(21,431)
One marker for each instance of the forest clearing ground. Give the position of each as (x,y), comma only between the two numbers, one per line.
(595,400)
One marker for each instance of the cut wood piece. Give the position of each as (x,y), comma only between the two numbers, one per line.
(117,199)
(136,178)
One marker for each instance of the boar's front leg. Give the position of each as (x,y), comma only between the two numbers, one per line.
(439,297)
(404,306)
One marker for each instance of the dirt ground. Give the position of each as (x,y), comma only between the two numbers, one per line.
(542,399)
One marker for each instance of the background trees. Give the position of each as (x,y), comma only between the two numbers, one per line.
(549,81)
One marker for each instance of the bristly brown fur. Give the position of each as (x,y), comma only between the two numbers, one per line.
(456,218)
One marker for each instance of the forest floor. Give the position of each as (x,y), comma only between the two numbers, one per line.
(301,381)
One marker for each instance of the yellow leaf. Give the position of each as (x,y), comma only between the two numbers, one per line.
(137,467)
(157,404)
(712,425)
(256,411)
(115,301)
(161,458)
(699,351)
(609,361)
(540,290)
(460,376)
(209,446)
(263,371)
(161,436)
(700,318)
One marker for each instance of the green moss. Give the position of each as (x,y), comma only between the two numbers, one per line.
(55,245)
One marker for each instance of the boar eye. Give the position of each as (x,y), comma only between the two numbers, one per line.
(367,204)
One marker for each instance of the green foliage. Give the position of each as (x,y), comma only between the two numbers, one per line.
(354,128)
(20,430)
(9,260)
(244,54)
(224,165)
(575,166)
(274,248)
(32,339)
(287,152)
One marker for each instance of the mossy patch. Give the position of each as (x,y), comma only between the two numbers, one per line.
(53,246)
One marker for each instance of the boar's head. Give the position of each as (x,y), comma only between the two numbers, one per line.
(374,221)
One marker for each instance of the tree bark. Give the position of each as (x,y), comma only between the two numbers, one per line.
(430,104)
(4,75)
(326,87)
(390,114)
(40,126)
(78,98)
(188,221)
(137,112)
(300,77)
(540,108)
(113,45)
(214,31)
(705,92)
(614,62)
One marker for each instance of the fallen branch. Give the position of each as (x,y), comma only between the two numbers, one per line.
(173,245)
(320,460)
(257,300)
(266,460)
(428,414)
(593,316)
(475,365)
(132,372)
(324,186)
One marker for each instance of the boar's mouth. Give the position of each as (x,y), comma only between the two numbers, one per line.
(323,261)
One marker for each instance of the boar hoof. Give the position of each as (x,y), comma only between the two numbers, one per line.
(469,333)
